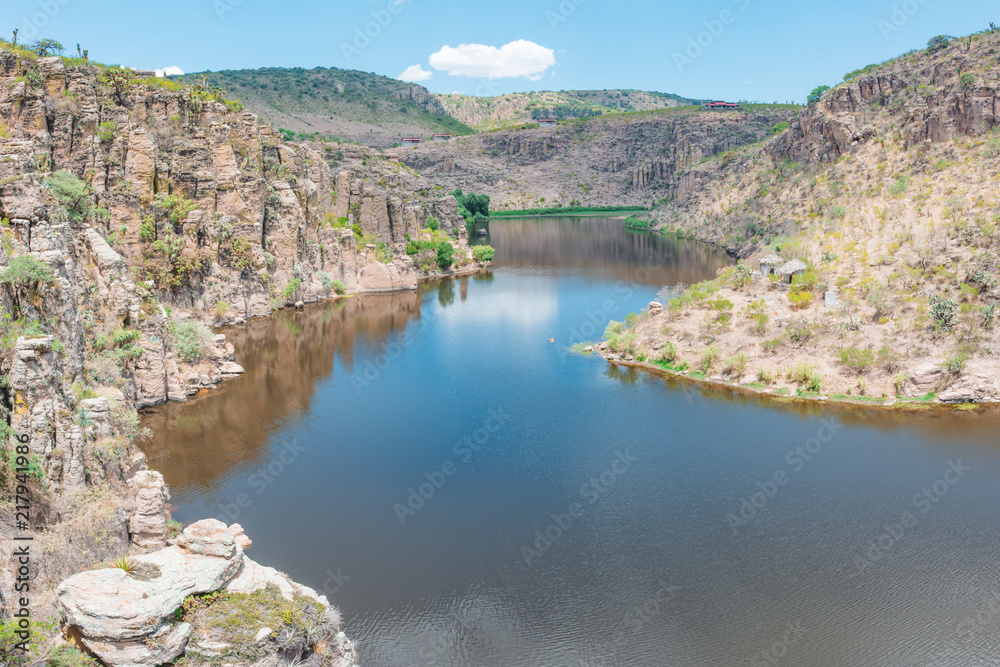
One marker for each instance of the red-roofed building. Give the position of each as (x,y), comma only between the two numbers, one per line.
(410,141)
(721,105)
(547,122)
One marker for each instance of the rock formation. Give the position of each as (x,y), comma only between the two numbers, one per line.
(130,616)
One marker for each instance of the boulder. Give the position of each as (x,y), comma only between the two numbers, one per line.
(655,307)
(231,368)
(209,537)
(127,621)
(925,379)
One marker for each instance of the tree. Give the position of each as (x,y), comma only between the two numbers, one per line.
(72,193)
(47,47)
(937,43)
(445,255)
(15,36)
(816,94)
(119,80)
(24,273)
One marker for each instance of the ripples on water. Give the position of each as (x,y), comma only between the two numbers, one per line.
(377,391)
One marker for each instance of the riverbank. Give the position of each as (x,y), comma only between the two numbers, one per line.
(771,395)
(763,340)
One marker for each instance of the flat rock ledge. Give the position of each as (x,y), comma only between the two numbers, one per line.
(128,620)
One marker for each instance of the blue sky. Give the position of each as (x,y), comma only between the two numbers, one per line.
(728,49)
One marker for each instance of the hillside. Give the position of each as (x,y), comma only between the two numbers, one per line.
(505,111)
(886,188)
(615,159)
(350,105)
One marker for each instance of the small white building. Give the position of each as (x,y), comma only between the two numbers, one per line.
(548,122)
(796,267)
(442,137)
(410,141)
(769,264)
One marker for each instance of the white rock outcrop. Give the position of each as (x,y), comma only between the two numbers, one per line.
(127,619)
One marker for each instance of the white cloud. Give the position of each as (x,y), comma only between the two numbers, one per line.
(173,70)
(517,59)
(415,73)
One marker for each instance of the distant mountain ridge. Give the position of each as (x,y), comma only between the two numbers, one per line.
(503,111)
(355,106)
(379,111)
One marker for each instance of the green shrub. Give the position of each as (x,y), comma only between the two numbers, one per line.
(107,131)
(445,255)
(856,359)
(147,230)
(889,359)
(668,353)
(325,280)
(900,186)
(26,271)
(177,207)
(816,94)
(291,288)
(339,287)
(613,328)
(956,363)
(799,331)
(800,373)
(433,224)
(125,337)
(190,340)
(483,253)
(735,365)
(221,308)
(943,312)
(709,357)
(72,193)
(800,298)
(756,312)
(764,376)
(69,656)
(635,222)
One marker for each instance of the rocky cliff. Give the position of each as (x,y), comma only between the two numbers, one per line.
(134,212)
(884,191)
(631,159)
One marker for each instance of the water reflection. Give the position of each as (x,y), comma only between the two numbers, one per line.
(603,248)
(284,357)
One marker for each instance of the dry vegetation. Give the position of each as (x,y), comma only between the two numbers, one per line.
(904,234)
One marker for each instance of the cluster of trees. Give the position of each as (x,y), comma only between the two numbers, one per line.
(563,111)
(472,207)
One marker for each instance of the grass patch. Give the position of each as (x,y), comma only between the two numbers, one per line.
(235,618)
(928,398)
(556,210)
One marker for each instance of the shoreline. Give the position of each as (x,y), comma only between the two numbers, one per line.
(768,395)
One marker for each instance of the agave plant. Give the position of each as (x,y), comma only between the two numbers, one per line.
(124,563)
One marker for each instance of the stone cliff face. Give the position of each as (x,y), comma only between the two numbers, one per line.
(917,103)
(936,97)
(134,210)
(627,160)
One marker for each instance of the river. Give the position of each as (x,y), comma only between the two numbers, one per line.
(471,494)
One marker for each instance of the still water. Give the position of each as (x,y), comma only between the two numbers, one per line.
(470,494)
